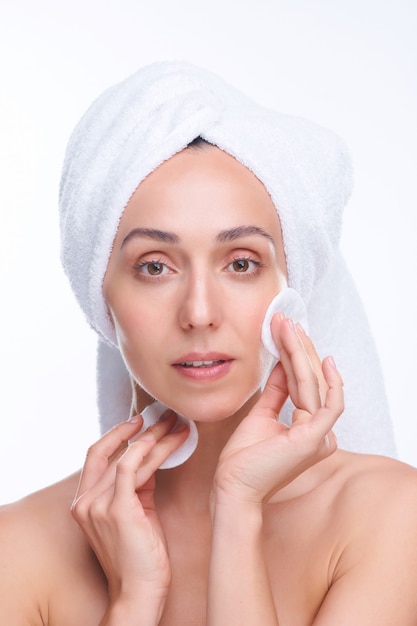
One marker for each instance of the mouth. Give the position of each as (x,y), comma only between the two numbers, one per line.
(200,364)
(203,367)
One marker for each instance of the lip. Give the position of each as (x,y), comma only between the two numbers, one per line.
(220,367)
(202,356)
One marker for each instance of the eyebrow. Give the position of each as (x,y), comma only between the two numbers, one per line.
(151,233)
(242,231)
(223,236)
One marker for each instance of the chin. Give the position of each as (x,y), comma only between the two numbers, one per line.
(214,409)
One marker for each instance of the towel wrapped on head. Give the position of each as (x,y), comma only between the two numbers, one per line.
(135,126)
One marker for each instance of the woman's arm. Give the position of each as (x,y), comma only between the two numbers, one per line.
(261,457)
(21,576)
(239,586)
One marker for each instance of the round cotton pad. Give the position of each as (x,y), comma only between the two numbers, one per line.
(289,302)
(151,414)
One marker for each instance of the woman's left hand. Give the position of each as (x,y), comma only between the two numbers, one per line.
(263,455)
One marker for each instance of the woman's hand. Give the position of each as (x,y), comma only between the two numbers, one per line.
(263,455)
(115,508)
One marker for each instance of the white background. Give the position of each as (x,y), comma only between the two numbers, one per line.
(350,65)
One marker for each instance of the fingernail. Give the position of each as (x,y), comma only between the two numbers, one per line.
(133,419)
(332,362)
(291,323)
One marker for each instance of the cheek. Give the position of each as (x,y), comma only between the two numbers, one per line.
(131,319)
(132,332)
(140,336)
(138,356)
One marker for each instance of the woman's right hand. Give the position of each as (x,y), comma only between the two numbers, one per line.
(114,506)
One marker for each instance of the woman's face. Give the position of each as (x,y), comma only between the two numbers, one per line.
(197,259)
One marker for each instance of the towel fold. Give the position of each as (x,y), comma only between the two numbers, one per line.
(135,126)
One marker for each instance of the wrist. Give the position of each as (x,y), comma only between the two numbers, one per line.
(143,610)
(142,606)
(226,508)
(243,490)
(222,497)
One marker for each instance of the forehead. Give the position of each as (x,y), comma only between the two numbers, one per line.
(204,189)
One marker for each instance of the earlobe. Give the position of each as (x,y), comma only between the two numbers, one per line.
(108,309)
(105,293)
(110,316)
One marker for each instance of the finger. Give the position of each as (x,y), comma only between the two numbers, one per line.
(134,470)
(160,453)
(334,380)
(274,394)
(144,443)
(327,415)
(301,379)
(91,506)
(315,360)
(101,452)
(93,502)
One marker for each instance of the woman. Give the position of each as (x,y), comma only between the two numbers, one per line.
(175,250)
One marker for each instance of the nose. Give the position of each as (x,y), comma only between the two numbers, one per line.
(200,305)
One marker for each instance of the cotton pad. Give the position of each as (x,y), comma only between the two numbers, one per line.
(289,302)
(151,415)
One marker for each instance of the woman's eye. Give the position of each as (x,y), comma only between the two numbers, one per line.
(155,268)
(152,268)
(243,266)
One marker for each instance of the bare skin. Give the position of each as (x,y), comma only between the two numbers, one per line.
(52,575)
(264,524)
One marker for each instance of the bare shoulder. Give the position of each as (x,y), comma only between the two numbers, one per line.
(40,545)
(356,504)
(374,501)
(376,485)
(374,557)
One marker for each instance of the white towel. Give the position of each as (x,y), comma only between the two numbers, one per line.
(136,125)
